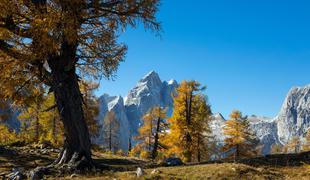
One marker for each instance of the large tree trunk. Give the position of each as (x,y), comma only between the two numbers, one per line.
(77,146)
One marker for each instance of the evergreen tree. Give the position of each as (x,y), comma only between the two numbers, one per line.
(53,44)
(240,138)
(189,121)
(111,131)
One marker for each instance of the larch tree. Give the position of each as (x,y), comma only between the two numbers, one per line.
(294,145)
(306,145)
(32,114)
(90,107)
(7,135)
(153,129)
(201,131)
(240,139)
(5,111)
(56,43)
(189,120)
(111,131)
(40,121)
(276,149)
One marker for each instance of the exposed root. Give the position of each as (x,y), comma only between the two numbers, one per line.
(73,161)
(67,163)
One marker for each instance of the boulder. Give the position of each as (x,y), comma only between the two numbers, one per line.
(140,172)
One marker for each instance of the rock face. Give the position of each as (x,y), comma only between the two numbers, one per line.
(115,104)
(294,117)
(293,120)
(150,91)
(217,124)
(266,130)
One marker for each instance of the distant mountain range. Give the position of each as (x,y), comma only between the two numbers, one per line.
(293,119)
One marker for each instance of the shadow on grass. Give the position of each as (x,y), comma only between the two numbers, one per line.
(13,159)
(276,160)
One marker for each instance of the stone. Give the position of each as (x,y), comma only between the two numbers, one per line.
(155,171)
(140,172)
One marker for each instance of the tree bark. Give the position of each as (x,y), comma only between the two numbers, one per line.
(77,146)
(156,139)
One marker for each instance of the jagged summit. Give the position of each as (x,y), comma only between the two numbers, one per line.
(218,116)
(152,76)
(150,91)
(294,117)
(172,82)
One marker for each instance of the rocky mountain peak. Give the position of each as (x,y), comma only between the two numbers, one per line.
(218,116)
(294,117)
(152,77)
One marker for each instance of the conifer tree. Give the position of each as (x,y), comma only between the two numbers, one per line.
(240,138)
(153,129)
(32,114)
(54,44)
(306,145)
(7,135)
(202,131)
(276,149)
(293,146)
(90,107)
(111,131)
(5,111)
(41,122)
(189,121)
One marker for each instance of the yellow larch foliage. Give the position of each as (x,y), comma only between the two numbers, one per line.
(294,146)
(189,122)
(7,136)
(151,132)
(240,139)
(306,145)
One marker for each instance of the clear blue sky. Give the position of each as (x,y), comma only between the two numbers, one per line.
(248,52)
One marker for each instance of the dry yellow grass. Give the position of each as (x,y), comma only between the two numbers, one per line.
(123,168)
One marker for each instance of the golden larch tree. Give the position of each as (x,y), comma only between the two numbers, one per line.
(306,144)
(239,137)
(111,131)
(54,44)
(189,121)
(153,129)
